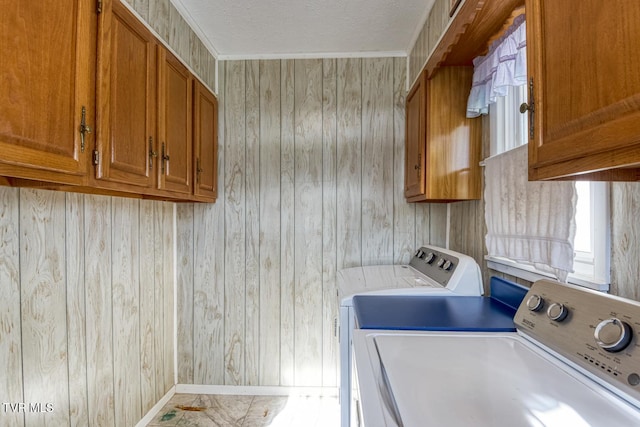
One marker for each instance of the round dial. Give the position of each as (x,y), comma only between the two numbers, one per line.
(420,253)
(447,265)
(440,262)
(613,335)
(430,257)
(535,302)
(557,312)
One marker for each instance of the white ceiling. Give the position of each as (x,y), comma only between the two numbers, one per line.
(235,29)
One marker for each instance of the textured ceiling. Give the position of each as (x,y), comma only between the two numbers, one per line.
(282,28)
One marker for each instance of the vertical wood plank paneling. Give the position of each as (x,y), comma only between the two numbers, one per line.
(76,314)
(11,336)
(194,53)
(287,219)
(187,306)
(269,250)
(235,173)
(429,36)
(147,306)
(159,17)
(208,296)
(126,315)
(349,152)
(43,297)
(625,235)
(158,300)
(168,308)
(422,235)
(438,224)
(404,214)
(97,212)
(308,222)
(252,223)
(456,221)
(329,194)
(140,6)
(377,161)
(179,33)
(209,279)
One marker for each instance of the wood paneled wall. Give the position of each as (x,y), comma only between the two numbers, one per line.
(625,239)
(436,23)
(87,307)
(312,176)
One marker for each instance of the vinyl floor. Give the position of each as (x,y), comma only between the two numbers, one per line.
(207,410)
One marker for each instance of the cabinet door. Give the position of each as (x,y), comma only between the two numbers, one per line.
(126,101)
(416,128)
(205,121)
(454,142)
(47,68)
(583,59)
(174,125)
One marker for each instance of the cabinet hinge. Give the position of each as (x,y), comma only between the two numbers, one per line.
(96,157)
(99,6)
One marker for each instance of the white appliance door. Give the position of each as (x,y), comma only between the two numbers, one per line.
(486,380)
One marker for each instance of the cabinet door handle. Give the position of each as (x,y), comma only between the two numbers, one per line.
(530,107)
(199,170)
(152,153)
(84,129)
(165,157)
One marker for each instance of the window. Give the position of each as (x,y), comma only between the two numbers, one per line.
(509,129)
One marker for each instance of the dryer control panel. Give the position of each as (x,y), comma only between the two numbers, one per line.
(456,271)
(435,264)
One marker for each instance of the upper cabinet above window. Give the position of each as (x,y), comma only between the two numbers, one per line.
(583,62)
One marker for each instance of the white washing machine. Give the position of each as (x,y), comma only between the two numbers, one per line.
(574,361)
(432,270)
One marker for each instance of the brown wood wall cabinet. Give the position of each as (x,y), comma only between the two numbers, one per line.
(126,99)
(175,125)
(416,139)
(583,62)
(96,104)
(46,82)
(205,143)
(443,146)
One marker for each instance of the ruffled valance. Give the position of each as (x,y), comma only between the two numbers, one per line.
(505,65)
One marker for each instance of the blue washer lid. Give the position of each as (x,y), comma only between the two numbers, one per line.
(432,313)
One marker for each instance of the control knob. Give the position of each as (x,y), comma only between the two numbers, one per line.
(447,265)
(420,253)
(430,257)
(557,312)
(440,262)
(535,302)
(613,335)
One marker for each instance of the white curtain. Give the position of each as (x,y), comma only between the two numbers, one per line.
(505,65)
(529,222)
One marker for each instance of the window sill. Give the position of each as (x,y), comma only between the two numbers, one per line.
(530,274)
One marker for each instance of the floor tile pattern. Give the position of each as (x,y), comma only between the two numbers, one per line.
(206,410)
